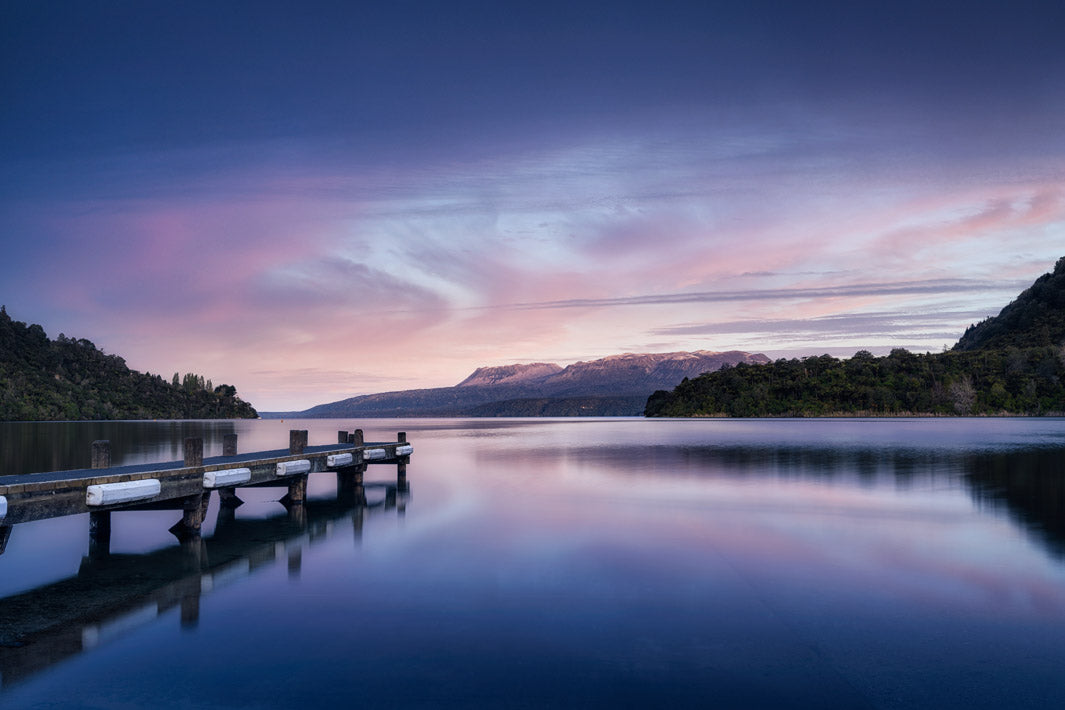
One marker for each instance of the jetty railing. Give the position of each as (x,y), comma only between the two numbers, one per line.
(187,485)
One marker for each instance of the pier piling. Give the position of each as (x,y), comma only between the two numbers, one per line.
(101,454)
(193,509)
(297,441)
(194,451)
(297,491)
(100,520)
(401,464)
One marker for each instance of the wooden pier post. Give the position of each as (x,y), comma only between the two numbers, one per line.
(194,451)
(227,497)
(297,441)
(401,466)
(194,507)
(349,478)
(297,491)
(358,439)
(101,454)
(100,520)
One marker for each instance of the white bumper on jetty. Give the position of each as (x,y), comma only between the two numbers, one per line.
(122,492)
(291,468)
(226,477)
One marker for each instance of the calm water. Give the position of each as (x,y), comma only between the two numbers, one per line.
(550,563)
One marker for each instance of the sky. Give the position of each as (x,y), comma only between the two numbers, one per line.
(314,200)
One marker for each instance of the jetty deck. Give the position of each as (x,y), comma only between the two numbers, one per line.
(186,485)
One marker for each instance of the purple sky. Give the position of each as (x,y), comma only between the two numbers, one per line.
(316,200)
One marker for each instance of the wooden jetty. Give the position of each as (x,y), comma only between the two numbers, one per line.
(112,594)
(187,485)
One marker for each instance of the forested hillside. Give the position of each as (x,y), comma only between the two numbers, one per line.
(69,379)
(1035,318)
(1011,381)
(1013,363)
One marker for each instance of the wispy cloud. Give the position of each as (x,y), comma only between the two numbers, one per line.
(927,287)
(852,325)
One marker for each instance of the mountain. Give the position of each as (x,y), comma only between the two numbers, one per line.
(615,385)
(511,374)
(1035,318)
(1011,364)
(71,379)
(633,373)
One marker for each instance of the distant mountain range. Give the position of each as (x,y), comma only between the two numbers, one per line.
(612,386)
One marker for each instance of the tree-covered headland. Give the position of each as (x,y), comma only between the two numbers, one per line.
(71,379)
(1011,364)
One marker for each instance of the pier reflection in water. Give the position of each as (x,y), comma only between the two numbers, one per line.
(113,594)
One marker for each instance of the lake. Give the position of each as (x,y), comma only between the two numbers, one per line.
(564,563)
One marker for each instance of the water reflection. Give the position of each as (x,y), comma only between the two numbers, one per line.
(1027,485)
(112,594)
(30,447)
(593,564)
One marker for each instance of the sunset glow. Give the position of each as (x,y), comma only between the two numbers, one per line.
(334,202)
